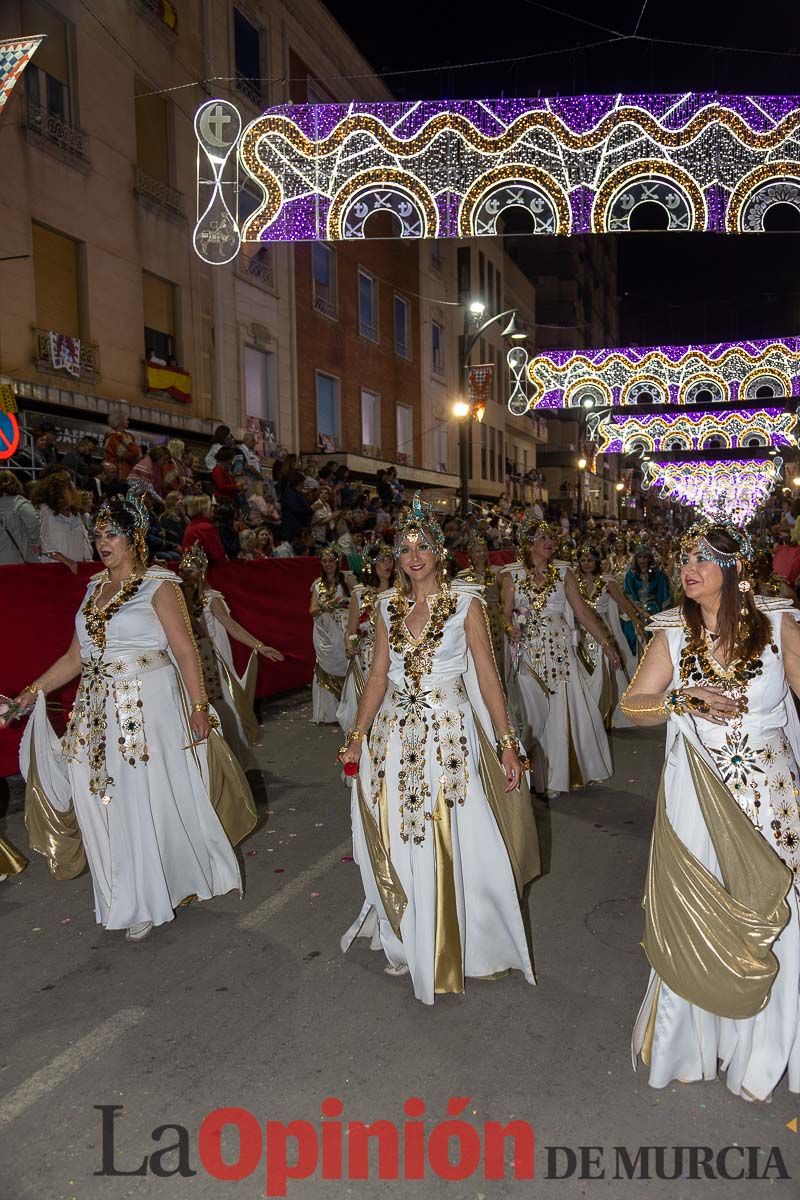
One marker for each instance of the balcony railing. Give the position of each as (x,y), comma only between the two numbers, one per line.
(250,89)
(368,330)
(325,306)
(165,13)
(89,357)
(259,267)
(158,192)
(58,131)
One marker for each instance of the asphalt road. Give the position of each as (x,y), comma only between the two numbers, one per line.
(251,1004)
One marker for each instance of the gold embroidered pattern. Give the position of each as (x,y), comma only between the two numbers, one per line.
(128,703)
(411,782)
(97,619)
(419,652)
(378,742)
(451,755)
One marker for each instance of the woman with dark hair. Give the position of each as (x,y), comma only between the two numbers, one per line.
(605,597)
(63,533)
(359,639)
(129,787)
(560,722)
(647,586)
(222,437)
(480,573)
(722,933)
(226,489)
(443,827)
(330,600)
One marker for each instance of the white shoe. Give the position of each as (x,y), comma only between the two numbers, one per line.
(3,878)
(401,969)
(137,933)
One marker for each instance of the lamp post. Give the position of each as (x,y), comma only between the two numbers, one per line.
(463,409)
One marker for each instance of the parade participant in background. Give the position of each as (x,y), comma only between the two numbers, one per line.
(231,694)
(63,533)
(130,783)
(121,446)
(548,695)
(435,801)
(722,933)
(647,586)
(605,597)
(330,600)
(767,582)
(481,574)
(378,577)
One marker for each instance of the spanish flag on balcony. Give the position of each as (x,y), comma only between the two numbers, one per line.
(177,384)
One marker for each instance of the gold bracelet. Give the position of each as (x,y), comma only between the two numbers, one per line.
(201,706)
(508,741)
(32,687)
(355,735)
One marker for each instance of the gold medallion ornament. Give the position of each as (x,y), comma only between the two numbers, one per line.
(327,596)
(418,652)
(97,619)
(537,594)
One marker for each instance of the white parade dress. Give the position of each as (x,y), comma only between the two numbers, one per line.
(359,665)
(678,1039)
(230,693)
(441,895)
(605,685)
(331,665)
(149,831)
(547,691)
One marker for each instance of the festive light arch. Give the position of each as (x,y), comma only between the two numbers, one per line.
(663,375)
(736,488)
(738,429)
(579,164)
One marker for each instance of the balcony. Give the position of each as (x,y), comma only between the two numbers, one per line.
(158,193)
(250,89)
(325,306)
(57,132)
(257,266)
(89,358)
(163,11)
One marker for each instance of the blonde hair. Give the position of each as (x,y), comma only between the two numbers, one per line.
(198,505)
(403,582)
(171,500)
(176,447)
(247,541)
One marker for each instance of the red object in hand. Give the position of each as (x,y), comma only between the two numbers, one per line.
(351,769)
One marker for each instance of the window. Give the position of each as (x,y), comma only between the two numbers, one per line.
(484,443)
(501,462)
(370,421)
(247,53)
(499,298)
(323,269)
(490,286)
(55,270)
(327,410)
(47,76)
(481,277)
(437,259)
(437,345)
(441,447)
(464,274)
(159,316)
(367,306)
(152,132)
(402,327)
(256,259)
(492,467)
(260,391)
(405,434)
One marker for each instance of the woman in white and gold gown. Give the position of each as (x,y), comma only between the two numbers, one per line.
(142,786)
(330,600)
(606,598)
(480,573)
(442,833)
(231,694)
(359,638)
(722,932)
(547,692)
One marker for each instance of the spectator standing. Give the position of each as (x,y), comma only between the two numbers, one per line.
(148,469)
(120,445)
(63,533)
(252,463)
(384,489)
(226,488)
(20,533)
(225,520)
(201,530)
(222,437)
(176,472)
(173,519)
(79,461)
(295,508)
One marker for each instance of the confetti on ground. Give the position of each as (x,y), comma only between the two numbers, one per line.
(66,920)
(631,781)
(279,870)
(597,825)
(252,853)
(347,858)
(270,849)
(318,824)
(37,929)
(292,835)
(292,810)
(315,893)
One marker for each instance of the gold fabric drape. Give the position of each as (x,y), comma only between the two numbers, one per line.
(711,942)
(331,683)
(390,888)
(52,833)
(243,697)
(448,956)
(229,791)
(513,812)
(11,861)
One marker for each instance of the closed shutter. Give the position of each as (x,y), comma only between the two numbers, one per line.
(159,304)
(55,269)
(152,136)
(52,55)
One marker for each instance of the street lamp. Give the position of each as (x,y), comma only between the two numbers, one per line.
(620,487)
(796,481)
(462,409)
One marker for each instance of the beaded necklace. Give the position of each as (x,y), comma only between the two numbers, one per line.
(537,594)
(96,618)
(584,591)
(327,593)
(419,654)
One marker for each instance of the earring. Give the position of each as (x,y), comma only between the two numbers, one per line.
(744,587)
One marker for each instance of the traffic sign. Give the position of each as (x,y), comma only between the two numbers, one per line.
(9,435)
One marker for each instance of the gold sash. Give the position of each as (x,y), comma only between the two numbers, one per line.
(331,683)
(229,790)
(513,812)
(711,942)
(52,833)
(390,888)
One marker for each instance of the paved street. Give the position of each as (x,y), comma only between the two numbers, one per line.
(250,1003)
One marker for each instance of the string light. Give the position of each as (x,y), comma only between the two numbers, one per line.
(668,375)
(575,164)
(737,488)
(653,432)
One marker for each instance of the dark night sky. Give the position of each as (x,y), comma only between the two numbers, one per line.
(674,287)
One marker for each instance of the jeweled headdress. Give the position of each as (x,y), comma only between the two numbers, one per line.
(697,536)
(376,550)
(420,526)
(477,539)
(588,551)
(125,516)
(531,529)
(194,559)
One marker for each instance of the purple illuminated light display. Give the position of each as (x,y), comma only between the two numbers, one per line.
(737,429)
(714,486)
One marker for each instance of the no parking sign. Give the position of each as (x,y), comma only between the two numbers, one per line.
(9,434)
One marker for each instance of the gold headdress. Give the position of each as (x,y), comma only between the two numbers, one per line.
(532,529)
(125,516)
(420,526)
(697,536)
(194,559)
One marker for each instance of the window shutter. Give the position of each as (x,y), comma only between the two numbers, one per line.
(152,137)
(52,55)
(159,304)
(55,269)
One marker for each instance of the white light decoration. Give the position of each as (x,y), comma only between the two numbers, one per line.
(662,375)
(581,164)
(716,485)
(742,428)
